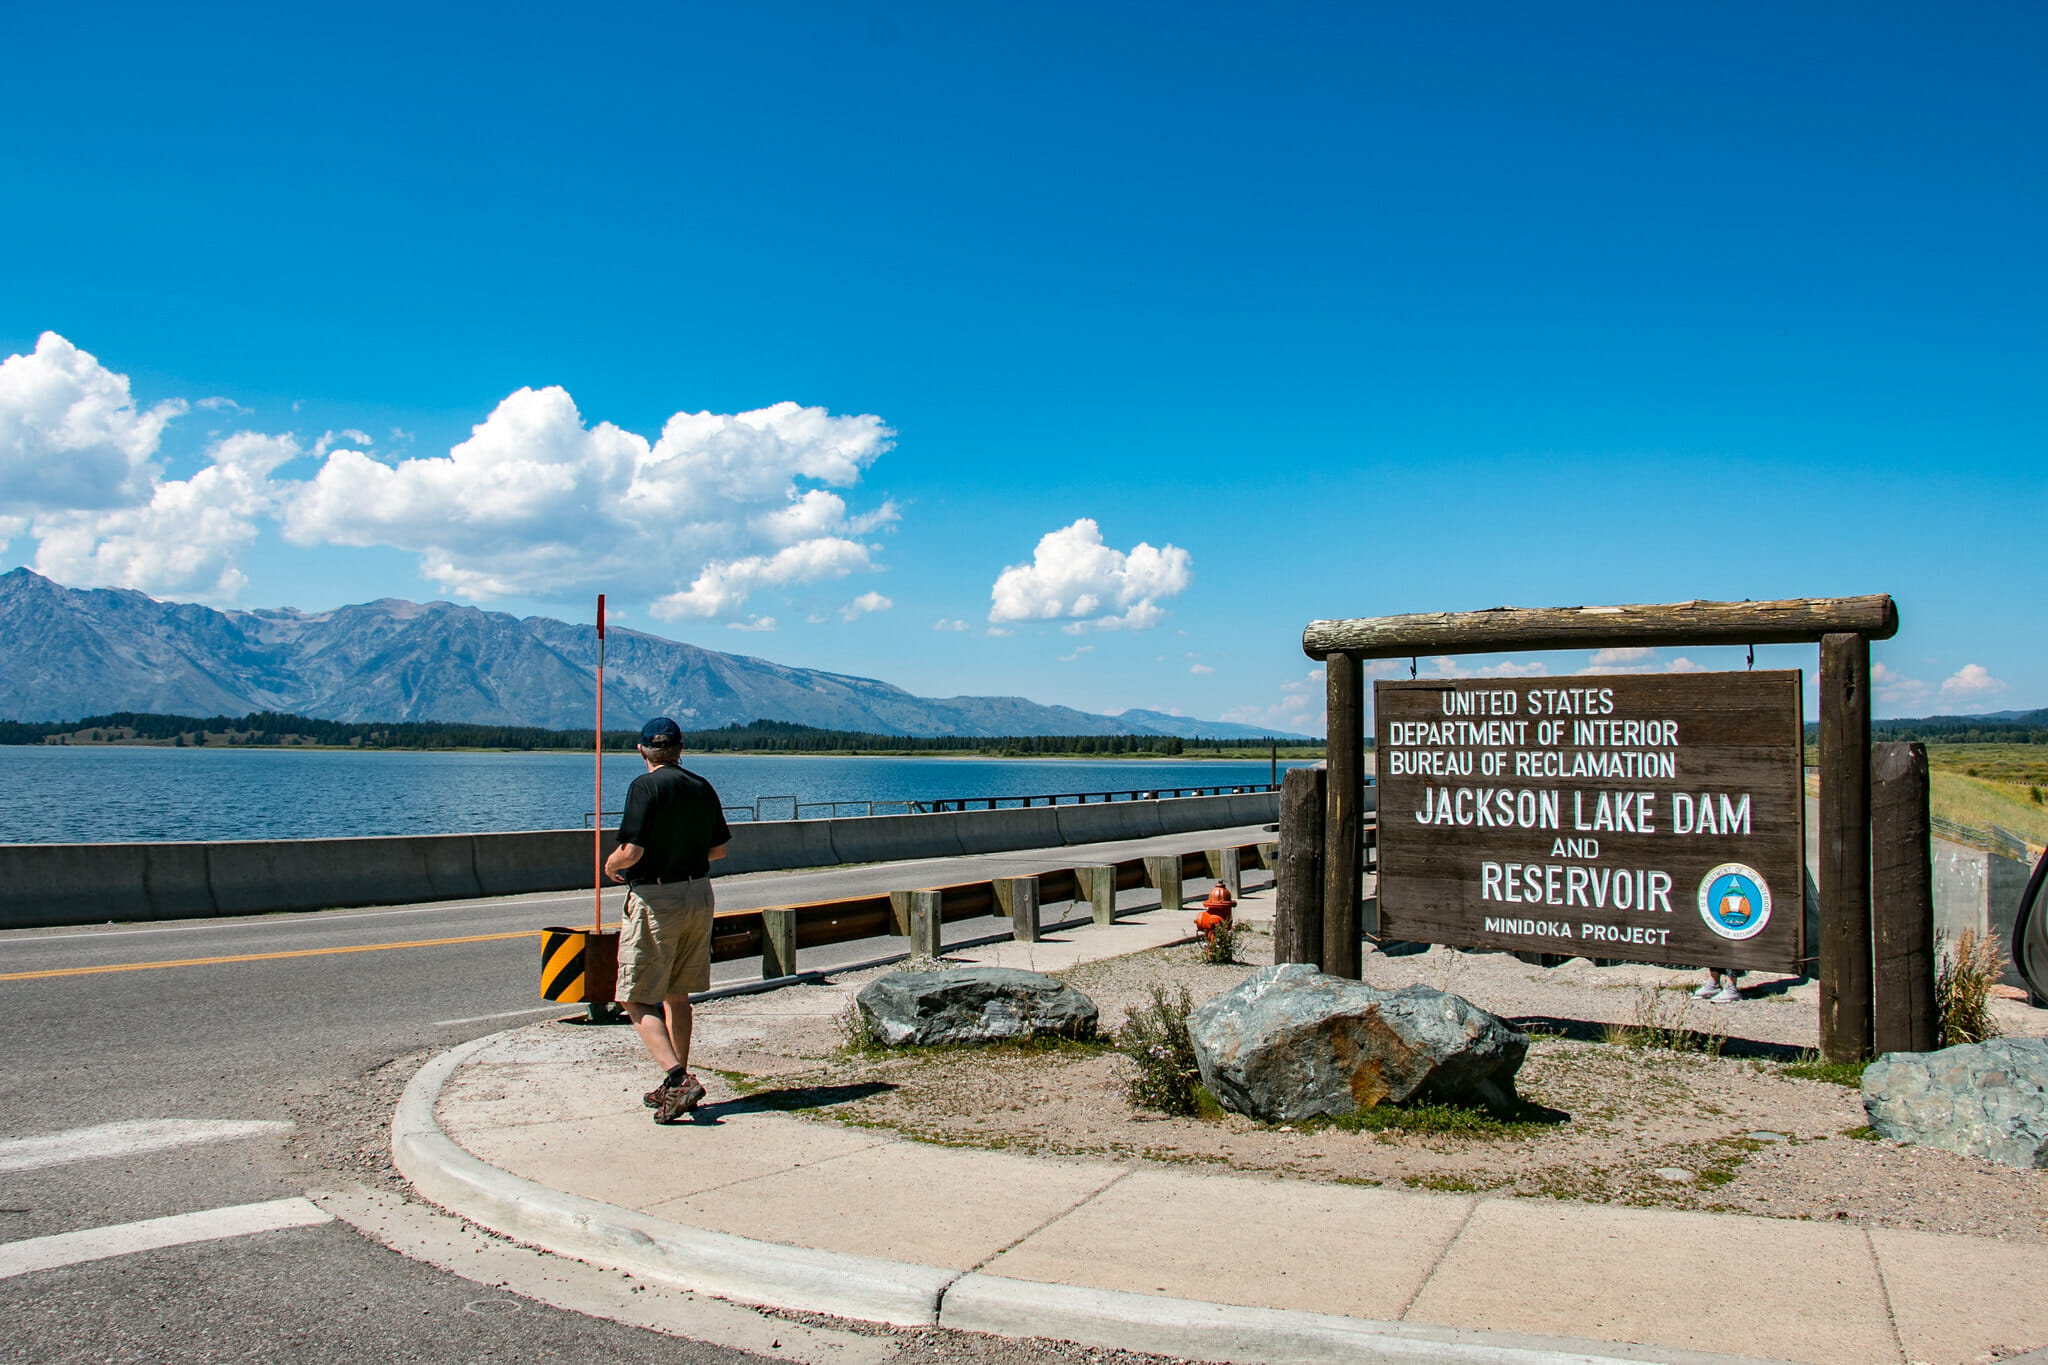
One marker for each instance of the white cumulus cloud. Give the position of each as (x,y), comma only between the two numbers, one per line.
(1445,666)
(1971,685)
(949,624)
(863,604)
(1200,668)
(185,539)
(1895,689)
(1299,710)
(71,436)
(1073,576)
(537,501)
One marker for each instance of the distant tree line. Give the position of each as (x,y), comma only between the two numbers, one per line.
(277,728)
(2030,728)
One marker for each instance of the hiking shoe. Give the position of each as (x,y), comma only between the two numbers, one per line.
(678,1100)
(652,1099)
(1705,989)
(1728,995)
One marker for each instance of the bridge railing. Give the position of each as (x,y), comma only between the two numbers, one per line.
(771,807)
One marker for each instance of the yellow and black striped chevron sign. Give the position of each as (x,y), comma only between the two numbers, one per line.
(577,965)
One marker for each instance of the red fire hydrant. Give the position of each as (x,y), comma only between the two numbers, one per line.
(1215,911)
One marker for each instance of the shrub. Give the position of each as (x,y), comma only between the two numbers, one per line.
(1220,948)
(1811,1066)
(1970,966)
(1155,1038)
(1663,1023)
(857,1029)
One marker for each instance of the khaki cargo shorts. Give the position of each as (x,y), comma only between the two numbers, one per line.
(665,946)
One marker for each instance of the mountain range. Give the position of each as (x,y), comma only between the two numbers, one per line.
(70,652)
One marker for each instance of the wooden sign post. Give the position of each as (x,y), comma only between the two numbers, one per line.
(1843,626)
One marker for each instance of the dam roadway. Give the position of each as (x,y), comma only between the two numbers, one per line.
(216,1071)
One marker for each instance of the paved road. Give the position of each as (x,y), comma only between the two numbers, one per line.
(291,1036)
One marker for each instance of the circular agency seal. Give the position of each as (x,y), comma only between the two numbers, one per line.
(1735,901)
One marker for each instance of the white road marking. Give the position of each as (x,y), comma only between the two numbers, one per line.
(127,1139)
(502,1014)
(301,918)
(124,1239)
(452,1245)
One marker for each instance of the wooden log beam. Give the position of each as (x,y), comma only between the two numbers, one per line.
(1845,990)
(1503,630)
(1901,901)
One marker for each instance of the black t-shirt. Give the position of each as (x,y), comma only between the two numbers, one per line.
(674,815)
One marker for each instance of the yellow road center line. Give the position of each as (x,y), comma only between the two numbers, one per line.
(263,957)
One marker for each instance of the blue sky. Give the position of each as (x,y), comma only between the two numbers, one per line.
(1358,309)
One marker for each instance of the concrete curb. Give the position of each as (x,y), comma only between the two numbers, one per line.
(1218,1331)
(739,1268)
(867,1288)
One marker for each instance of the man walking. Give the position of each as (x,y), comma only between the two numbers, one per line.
(672,829)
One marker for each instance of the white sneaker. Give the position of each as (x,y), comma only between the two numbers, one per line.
(1706,988)
(1728,995)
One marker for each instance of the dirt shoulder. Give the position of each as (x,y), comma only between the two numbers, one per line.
(1713,1125)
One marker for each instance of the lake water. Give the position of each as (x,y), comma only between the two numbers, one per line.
(61,794)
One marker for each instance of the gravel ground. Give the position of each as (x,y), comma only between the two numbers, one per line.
(1715,1125)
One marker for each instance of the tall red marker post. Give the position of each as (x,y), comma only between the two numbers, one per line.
(578,966)
(597,800)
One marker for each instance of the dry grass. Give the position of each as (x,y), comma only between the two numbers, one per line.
(1664,1021)
(1982,801)
(1970,965)
(2023,765)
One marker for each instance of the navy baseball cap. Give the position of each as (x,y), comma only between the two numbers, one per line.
(660,731)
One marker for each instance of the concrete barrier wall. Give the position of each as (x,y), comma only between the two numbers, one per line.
(54,884)
(1975,888)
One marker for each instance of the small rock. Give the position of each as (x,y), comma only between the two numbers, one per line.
(1986,1100)
(1677,1175)
(973,1005)
(1765,1136)
(1289,1043)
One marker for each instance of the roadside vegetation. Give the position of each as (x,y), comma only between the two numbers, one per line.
(1970,965)
(1981,780)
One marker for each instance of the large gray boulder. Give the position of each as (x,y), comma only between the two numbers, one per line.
(1980,1099)
(1289,1043)
(973,1005)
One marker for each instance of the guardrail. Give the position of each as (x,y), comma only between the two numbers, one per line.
(948,805)
(1992,838)
(776,934)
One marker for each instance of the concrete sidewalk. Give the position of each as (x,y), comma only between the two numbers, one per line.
(1156,1257)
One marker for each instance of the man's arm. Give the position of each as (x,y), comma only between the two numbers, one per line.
(715,854)
(624,856)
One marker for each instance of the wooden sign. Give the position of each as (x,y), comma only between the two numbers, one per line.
(1646,817)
